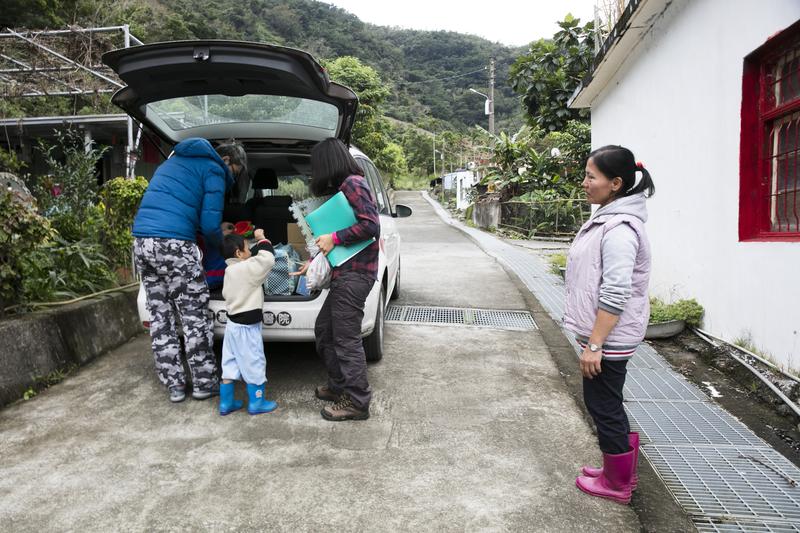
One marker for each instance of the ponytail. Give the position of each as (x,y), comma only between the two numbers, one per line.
(643,183)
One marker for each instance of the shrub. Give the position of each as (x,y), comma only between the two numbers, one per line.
(689,311)
(67,196)
(59,269)
(120,200)
(21,228)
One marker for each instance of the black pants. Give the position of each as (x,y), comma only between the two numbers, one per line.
(603,398)
(338,335)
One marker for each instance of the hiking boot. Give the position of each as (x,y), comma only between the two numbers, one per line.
(344,409)
(177,393)
(326,394)
(205,394)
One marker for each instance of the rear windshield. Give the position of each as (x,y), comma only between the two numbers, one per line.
(193,111)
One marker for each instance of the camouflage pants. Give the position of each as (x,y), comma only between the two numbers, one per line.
(173,278)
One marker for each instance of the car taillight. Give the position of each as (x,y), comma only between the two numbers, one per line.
(146,325)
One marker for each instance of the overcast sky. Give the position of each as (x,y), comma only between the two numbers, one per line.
(511,22)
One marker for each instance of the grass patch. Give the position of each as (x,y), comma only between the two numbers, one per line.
(45,382)
(410,183)
(557,262)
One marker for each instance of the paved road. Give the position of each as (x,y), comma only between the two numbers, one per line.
(471,430)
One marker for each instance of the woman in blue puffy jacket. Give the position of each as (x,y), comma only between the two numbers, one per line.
(185,197)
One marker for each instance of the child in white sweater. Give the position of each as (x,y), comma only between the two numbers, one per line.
(243,348)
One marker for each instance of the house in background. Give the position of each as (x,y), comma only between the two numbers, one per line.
(707,95)
(22,136)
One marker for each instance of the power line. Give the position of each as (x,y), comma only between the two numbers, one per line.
(482,69)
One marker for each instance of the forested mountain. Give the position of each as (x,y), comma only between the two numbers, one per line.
(429,73)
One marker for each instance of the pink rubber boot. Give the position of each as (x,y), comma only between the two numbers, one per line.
(633,440)
(615,481)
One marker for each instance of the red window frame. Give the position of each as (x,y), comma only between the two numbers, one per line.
(759,197)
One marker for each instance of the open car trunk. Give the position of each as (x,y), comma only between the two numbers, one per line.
(277,179)
(222,89)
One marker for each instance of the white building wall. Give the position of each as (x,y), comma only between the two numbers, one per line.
(676,103)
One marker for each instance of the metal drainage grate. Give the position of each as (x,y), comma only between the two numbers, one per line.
(653,384)
(717,482)
(490,318)
(504,319)
(708,525)
(647,357)
(394,313)
(687,423)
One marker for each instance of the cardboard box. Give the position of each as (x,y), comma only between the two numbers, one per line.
(296,239)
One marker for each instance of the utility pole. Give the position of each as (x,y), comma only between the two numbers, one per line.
(491,95)
(434,155)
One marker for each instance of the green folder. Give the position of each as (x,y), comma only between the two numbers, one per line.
(334,215)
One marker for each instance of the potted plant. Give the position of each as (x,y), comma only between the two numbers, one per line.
(667,320)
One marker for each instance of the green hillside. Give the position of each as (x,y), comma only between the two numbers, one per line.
(429,72)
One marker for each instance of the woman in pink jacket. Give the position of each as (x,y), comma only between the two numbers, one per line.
(608,308)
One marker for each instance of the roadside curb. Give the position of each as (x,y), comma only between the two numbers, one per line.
(652,501)
(37,344)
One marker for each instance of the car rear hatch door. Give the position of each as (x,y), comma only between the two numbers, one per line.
(219,89)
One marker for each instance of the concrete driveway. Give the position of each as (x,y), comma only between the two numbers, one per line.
(472,429)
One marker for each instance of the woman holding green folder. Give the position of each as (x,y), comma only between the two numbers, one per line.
(338,326)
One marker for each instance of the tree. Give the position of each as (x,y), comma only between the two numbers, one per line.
(417,146)
(392,160)
(366,83)
(370,131)
(548,74)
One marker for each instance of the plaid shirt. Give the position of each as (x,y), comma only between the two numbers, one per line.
(367,225)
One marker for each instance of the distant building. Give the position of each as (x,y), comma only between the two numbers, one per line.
(22,135)
(707,94)
(461,181)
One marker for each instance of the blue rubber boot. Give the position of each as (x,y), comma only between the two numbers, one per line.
(227,404)
(257,404)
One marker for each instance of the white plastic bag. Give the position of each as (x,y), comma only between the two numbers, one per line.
(318,275)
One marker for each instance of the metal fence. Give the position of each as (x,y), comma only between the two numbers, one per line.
(556,218)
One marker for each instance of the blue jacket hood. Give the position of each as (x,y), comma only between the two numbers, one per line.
(199,147)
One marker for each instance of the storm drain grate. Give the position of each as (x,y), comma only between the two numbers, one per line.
(394,313)
(504,319)
(647,357)
(708,525)
(688,423)
(491,318)
(654,384)
(436,315)
(718,482)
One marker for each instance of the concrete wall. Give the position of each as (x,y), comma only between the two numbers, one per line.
(676,103)
(486,213)
(36,344)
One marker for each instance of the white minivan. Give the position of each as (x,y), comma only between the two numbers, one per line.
(278,102)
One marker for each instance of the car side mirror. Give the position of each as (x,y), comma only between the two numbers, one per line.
(402,211)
